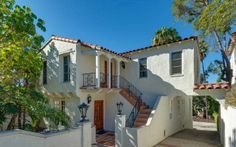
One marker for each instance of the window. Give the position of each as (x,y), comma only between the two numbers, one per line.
(45,72)
(63,106)
(66,68)
(176,63)
(143,68)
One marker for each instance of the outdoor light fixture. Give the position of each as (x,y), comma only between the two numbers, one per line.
(89,98)
(83,108)
(119,107)
(122,64)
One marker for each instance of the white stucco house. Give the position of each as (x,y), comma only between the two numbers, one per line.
(228,112)
(155,84)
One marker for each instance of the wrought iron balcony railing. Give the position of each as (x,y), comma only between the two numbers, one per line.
(89,79)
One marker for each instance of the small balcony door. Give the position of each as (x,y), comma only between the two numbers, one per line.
(105,72)
(98,114)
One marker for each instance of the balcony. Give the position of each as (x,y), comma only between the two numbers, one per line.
(90,81)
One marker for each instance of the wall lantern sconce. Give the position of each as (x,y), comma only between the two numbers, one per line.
(89,98)
(83,108)
(122,64)
(119,107)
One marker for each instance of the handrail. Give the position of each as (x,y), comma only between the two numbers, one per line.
(125,84)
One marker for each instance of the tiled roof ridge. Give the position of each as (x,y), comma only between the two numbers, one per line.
(221,85)
(123,54)
(144,48)
(93,46)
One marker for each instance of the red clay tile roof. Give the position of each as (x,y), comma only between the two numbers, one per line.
(123,55)
(96,47)
(205,86)
(144,48)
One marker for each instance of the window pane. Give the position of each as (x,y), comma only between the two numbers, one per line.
(63,105)
(176,55)
(143,67)
(45,72)
(66,67)
(176,70)
(176,63)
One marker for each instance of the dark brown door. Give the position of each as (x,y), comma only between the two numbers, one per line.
(98,114)
(105,71)
(111,74)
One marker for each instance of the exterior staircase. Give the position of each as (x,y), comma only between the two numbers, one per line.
(141,111)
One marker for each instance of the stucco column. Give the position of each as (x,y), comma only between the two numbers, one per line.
(98,70)
(119,130)
(86,135)
(118,73)
(109,72)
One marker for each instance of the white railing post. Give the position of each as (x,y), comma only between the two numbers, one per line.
(98,70)
(86,135)
(119,130)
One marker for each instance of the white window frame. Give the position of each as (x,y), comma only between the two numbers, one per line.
(139,67)
(182,63)
(45,83)
(63,80)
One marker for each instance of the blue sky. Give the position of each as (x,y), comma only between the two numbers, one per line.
(119,25)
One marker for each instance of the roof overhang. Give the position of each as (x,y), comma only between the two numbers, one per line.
(92,46)
(215,90)
(140,50)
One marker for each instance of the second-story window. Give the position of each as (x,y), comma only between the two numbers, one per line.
(63,106)
(143,68)
(176,63)
(44,72)
(66,68)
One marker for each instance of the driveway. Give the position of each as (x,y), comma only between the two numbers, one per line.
(203,135)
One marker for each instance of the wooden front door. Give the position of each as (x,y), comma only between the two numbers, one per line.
(98,114)
(105,71)
(111,74)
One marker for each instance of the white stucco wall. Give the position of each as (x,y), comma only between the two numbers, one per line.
(111,100)
(29,139)
(228,125)
(159,80)
(54,53)
(233,65)
(169,116)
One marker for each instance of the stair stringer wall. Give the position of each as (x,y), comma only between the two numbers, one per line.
(159,125)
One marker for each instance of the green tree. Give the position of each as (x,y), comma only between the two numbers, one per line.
(213,19)
(20,67)
(165,35)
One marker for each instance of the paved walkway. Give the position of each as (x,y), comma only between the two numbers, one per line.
(105,140)
(203,135)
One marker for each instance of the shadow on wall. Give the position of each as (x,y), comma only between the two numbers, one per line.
(232,139)
(55,71)
(154,86)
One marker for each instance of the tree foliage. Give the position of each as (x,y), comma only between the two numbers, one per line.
(165,35)
(20,67)
(199,105)
(212,18)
